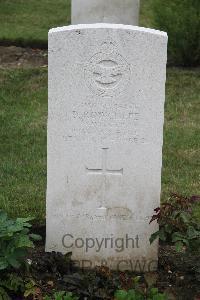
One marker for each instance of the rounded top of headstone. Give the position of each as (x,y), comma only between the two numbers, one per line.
(108,26)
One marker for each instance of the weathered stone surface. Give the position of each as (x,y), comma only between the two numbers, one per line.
(105,11)
(105,135)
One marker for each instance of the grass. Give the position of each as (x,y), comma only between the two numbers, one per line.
(146,15)
(181,154)
(23,115)
(26,22)
(23,98)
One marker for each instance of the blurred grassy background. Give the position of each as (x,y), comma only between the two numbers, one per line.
(26,22)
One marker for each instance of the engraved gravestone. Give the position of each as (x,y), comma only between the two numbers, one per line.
(105,11)
(105,135)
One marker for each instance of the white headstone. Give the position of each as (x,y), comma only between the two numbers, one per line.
(105,136)
(105,11)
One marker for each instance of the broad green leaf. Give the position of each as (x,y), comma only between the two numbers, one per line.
(20,252)
(13,261)
(35,237)
(136,279)
(121,295)
(162,234)
(3,263)
(25,220)
(168,228)
(179,246)
(29,285)
(46,298)
(153,291)
(30,292)
(24,241)
(159,297)
(184,216)
(14,240)
(192,232)
(154,236)
(177,236)
(3,216)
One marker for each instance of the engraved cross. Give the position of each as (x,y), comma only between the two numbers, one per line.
(104,171)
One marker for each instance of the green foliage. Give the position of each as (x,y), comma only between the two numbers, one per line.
(128,295)
(4,294)
(15,239)
(14,284)
(153,294)
(181,20)
(177,224)
(139,292)
(10,283)
(62,296)
(30,288)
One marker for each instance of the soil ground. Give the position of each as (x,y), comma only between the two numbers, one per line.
(175,276)
(17,57)
(178,274)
